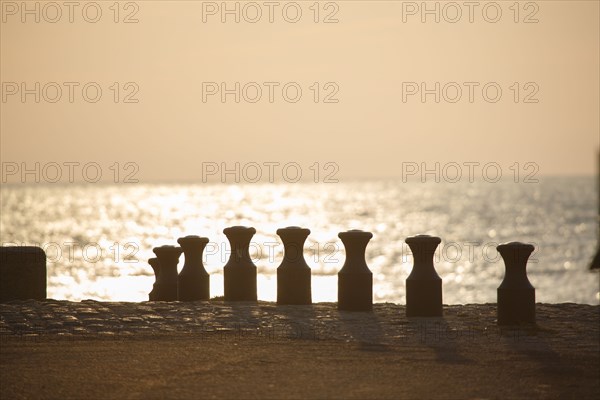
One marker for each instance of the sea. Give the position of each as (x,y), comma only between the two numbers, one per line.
(99,237)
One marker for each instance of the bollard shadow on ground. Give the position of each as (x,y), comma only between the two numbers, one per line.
(365,327)
(529,340)
(304,322)
(241,318)
(272,321)
(439,336)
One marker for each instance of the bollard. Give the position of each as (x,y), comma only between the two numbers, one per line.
(152,296)
(166,282)
(423,285)
(239,274)
(355,280)
(516,295)
(293,275)
(193,280)
(22,273)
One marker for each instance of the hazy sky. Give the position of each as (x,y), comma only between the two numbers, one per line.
(373,61)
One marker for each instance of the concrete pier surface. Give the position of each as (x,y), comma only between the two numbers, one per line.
(214,349)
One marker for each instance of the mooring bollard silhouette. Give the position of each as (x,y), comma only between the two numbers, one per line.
(152,296)
(516,295)
(239,274)
(166,281)
(22,273)
(355,280)
(423,285)
(293,275)
(193,280)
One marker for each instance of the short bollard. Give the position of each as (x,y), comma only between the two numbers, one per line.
(355,280)
(293,275)
(166,281)
(239,274)
(22,273)
(423,285)
(152,296)
(516,295)
(193,280)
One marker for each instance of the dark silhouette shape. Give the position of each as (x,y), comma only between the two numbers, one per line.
(193,280)
(423,285)
(166,281)
(152,296)
(596,261)
(355,280)
(22,273)
(516,295)
(239,273)
(293,275)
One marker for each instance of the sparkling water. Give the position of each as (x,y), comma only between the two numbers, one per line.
(98,237)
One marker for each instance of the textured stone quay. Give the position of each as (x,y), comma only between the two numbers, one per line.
(216,349)
(387,324)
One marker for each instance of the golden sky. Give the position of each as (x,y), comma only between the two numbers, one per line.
(371,61)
